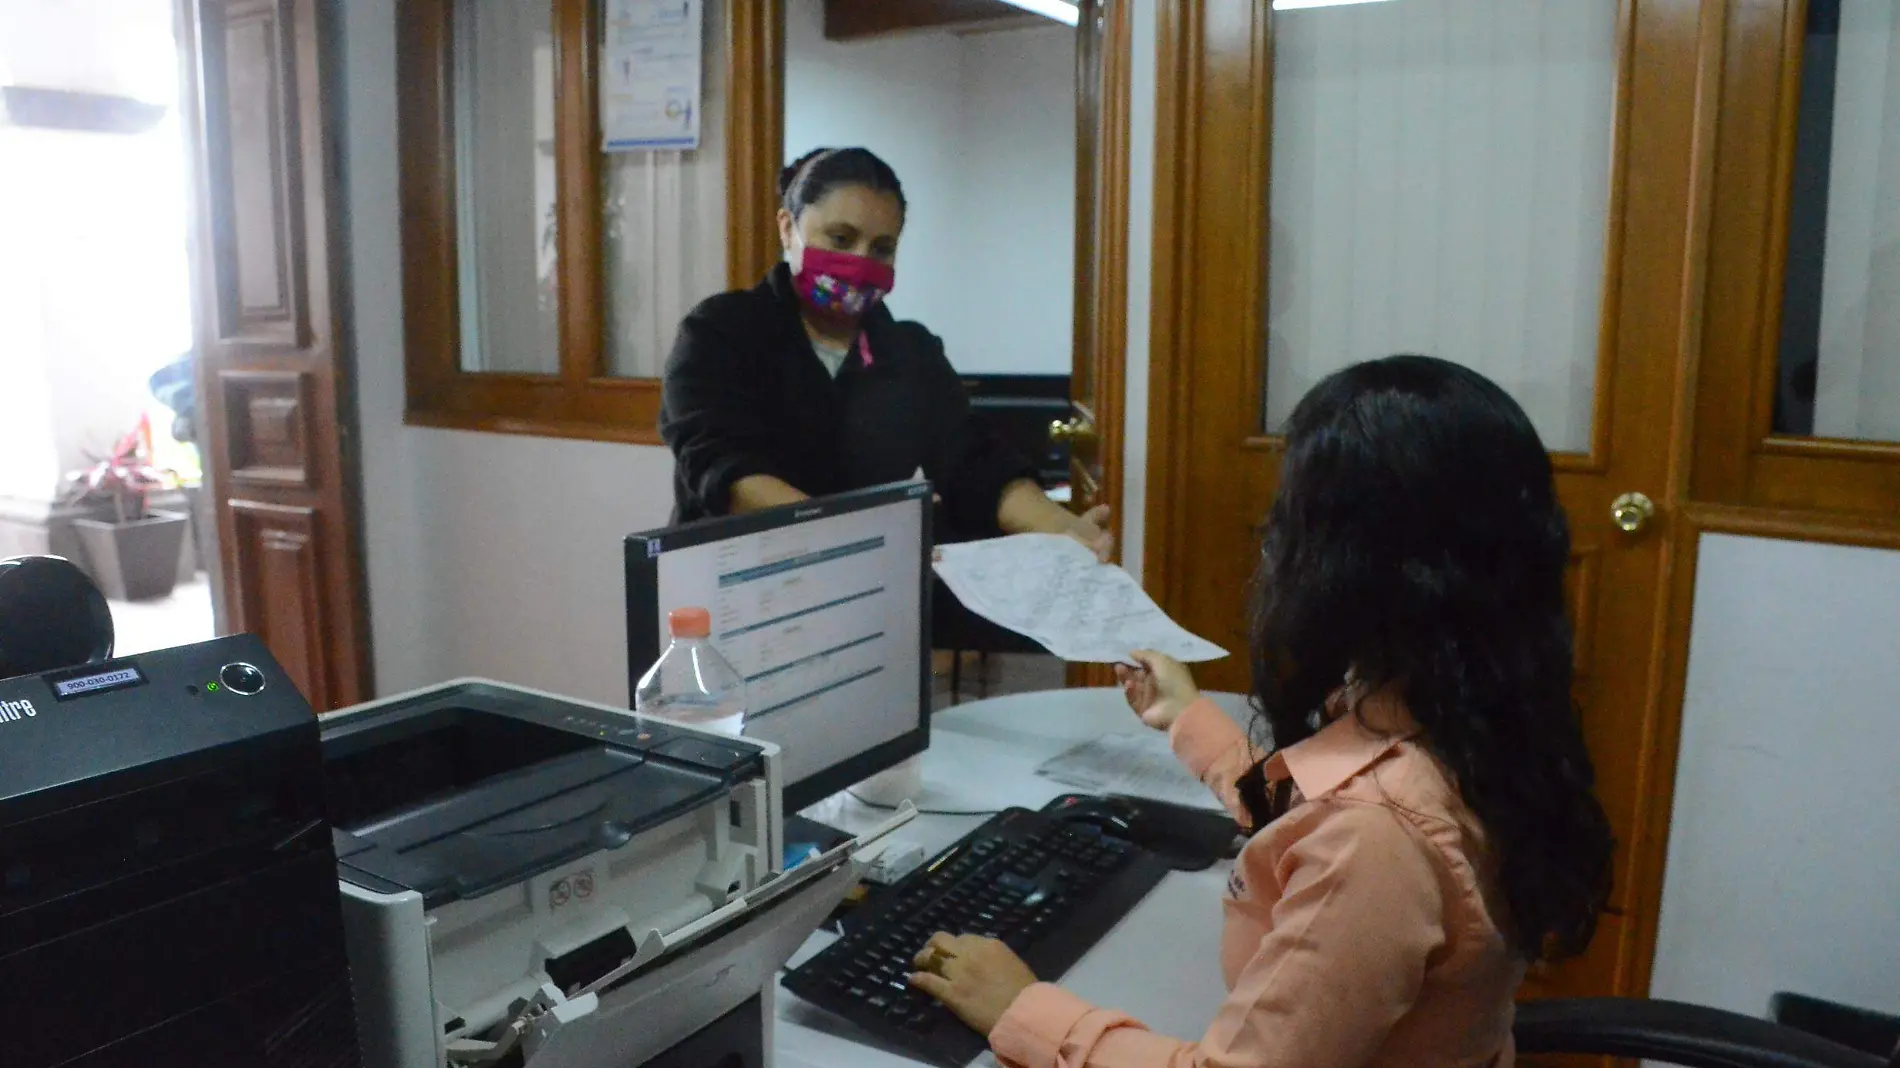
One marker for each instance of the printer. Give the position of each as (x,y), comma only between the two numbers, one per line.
(167,886)
(532,880)
(194,870)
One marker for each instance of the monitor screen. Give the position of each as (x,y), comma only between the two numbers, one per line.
(823,609)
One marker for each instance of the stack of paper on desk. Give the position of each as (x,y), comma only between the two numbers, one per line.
(1052,589)
(1135,765)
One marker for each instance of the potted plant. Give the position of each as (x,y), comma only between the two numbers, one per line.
(130,550)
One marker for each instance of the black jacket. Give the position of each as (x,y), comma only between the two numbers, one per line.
(744,394)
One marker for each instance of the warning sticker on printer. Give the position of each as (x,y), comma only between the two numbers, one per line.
(576,887)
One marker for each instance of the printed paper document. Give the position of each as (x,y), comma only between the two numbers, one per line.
(1052,589)
(1136,765)
(650,78)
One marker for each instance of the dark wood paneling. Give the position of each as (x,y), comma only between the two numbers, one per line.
(853,20)
(268,413)
(1104,52)
(1737,459)
(252,165)
(273,365)
(755,137)
(280,594)
(577,166)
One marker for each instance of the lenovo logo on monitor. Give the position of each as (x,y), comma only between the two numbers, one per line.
(14,711)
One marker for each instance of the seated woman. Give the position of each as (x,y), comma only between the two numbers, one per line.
(1425,824)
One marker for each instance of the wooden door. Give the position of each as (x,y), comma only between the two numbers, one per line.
(1093,431)
(1502,182)
(271,341)
(1094,427)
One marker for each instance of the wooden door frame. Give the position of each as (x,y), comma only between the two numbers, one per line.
(1188,67)
(1100,329)
(1182,66)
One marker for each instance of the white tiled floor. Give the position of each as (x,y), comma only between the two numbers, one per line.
(182,618)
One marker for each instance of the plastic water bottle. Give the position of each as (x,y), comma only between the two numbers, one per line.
(691,683)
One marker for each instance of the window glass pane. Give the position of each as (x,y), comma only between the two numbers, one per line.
(1440,184)
(1840,325)
(504,176)
(663,225)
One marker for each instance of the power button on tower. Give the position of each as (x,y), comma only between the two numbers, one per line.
(241,679)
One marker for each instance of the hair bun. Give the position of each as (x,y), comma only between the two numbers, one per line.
(792,170)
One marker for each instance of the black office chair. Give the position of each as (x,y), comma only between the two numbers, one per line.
(1863,1029)
(51,616)
(1670,1032)
(957,630)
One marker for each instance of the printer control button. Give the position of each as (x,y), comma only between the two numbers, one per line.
(242,679)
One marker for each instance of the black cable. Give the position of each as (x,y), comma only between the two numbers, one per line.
(853,795)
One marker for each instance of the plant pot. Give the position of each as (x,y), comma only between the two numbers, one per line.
(134,561)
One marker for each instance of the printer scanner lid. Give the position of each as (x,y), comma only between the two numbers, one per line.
(461,790)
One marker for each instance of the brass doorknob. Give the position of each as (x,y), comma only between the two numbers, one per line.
(1632,512)
(1072,431)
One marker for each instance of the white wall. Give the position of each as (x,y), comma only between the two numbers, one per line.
(897,97)
(981,130)
(94,46)
(1016,204)
(1784,861)
(92,239)
(489,555)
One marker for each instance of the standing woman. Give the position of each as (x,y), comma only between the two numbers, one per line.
(806,385)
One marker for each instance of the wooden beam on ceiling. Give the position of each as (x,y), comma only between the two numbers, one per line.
(854,20)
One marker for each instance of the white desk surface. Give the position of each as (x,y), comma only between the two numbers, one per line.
(1161,965)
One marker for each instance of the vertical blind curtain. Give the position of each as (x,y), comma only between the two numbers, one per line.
(1857,377)
(1440,183)
(664,225)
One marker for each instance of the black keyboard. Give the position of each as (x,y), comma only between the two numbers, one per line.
(1048,889)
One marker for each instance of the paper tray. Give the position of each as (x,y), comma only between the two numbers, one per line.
(678,984)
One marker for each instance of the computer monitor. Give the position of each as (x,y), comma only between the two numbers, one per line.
(823,609)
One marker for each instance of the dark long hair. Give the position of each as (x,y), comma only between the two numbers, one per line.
(1417,542)
(807,179)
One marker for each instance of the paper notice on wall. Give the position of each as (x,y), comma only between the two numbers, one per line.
(1050,588)
(650,74)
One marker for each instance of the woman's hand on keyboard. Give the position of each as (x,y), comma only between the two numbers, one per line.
(976,978)
(1159,690)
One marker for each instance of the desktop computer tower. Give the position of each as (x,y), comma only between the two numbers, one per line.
(168,888)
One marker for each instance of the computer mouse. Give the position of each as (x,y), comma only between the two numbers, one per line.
(1114,816)
(1187,839)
